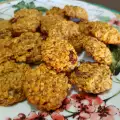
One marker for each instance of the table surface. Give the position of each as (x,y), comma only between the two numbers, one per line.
(112,4)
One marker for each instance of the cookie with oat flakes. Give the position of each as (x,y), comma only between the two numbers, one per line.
(27,24)
(26,20)
(6,52)
(105,32)
(102,31)
(45,88)
(77,42)
(27,47)
(75,12)
(55,11)
(97,49)
(48,21)
(64,29)
(12,78)
(59,54)
(5,29)
(92,77)
(34,13)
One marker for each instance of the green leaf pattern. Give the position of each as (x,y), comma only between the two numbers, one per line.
(115,67)
(104,18)
(116,80)
(29,5)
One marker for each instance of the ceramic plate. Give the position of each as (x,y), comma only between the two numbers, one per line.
(105,106)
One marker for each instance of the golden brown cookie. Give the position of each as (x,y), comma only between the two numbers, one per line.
(98,50)
(27,13)
(55,11)
(48,21)
(77,42)
(105,33)
(92,78)
(75,12)
(59,54)
(12,78)
(6,52)
(102,31)
(45,88)
(26,20)
(64,29)
(84,27)
(27,47)
(26,24)
(5,29)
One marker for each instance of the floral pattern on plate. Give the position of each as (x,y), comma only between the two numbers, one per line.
(79,107)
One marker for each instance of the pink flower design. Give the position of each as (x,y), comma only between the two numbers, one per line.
(84,115)
(91,113)
(112,110)
(86,107)
(93,108)
(95,116)
(56,116)
(90,109)
(107,112)
(31,116)
(66,101)
(108,117)
(75,97)
(43,114)
(114,21)
(65,105)
(20,116)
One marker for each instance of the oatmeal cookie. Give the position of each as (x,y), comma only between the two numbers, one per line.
(26,24)
(75,12)
(45,88)
(28,13)
(5,29)
(92,78)
(77,42)
(26,20)
(59,54)
(27,47)
(105,33)
(48,21)
(102,31)
(84,27)
(55,11)
(12,77)
(6,52)
(64,29)
(98,50)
